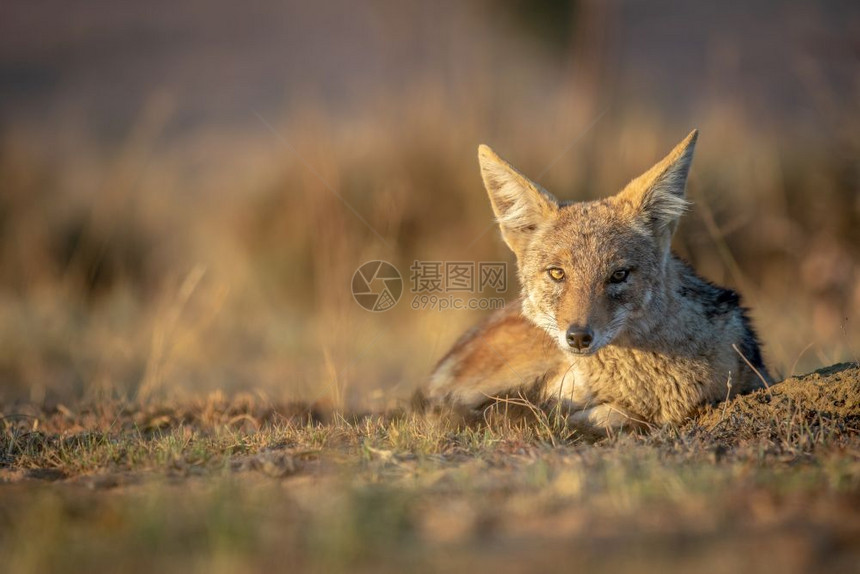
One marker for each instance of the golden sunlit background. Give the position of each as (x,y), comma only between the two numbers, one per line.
(186,189)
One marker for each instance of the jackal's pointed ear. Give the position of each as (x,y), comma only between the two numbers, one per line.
(658,195)
(520,205)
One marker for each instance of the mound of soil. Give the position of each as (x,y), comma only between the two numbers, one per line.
(824,404)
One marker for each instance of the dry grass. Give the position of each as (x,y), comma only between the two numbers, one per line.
(240,483)
(122,275)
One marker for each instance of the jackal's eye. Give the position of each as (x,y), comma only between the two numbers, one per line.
(556,274)
(619,276)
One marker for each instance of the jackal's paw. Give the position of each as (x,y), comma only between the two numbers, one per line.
(605,419)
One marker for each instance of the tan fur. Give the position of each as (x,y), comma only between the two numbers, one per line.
(662,338)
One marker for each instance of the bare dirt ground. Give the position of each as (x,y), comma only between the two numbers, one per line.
(769,482)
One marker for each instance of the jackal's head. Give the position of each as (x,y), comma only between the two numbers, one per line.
(590,270)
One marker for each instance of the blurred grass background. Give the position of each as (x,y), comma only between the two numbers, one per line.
(169,219)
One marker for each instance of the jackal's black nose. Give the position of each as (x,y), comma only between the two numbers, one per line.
(579,338)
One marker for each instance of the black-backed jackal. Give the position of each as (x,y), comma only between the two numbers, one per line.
(610,322)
